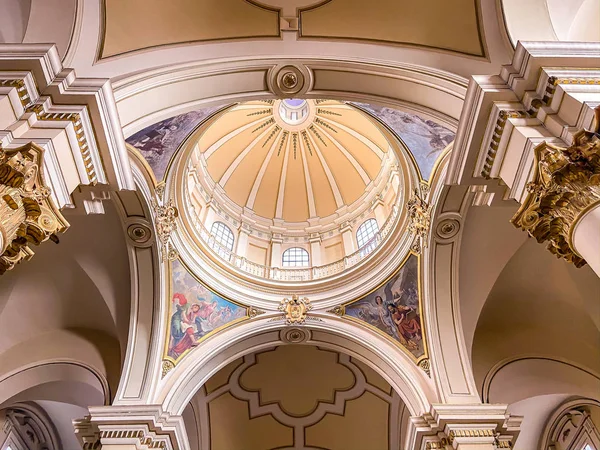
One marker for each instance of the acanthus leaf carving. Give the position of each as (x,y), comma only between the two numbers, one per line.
(566,183)
(27,213)
(419,213)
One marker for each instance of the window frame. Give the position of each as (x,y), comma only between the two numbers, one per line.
(303,261)
(222,234)
(373,227)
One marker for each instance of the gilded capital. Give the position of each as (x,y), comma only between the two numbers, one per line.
(27,213)
(566,183)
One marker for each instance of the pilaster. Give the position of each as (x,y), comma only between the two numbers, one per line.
(348,238)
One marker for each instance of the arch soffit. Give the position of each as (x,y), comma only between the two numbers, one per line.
(49,371)
(524,360)
(180,384)
(148,97)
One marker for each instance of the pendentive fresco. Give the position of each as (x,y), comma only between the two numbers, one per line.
(195,311)
(394,308)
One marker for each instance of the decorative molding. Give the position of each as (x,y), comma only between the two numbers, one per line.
(27,214)
(84,108)
(143,427)
(29,424)
(447,228)
(566,182)
(294,335)
(454,424)
(139,234)
(490,157)
(288,79)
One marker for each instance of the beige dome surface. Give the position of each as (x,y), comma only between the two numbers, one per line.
(294,160)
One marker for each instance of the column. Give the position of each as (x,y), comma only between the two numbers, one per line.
(586,237)
(562,205)
(348,238)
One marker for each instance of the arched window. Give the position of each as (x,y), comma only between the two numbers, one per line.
(295,257)
(365,233)
(223,235)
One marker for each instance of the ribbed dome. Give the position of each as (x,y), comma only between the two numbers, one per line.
(293,159)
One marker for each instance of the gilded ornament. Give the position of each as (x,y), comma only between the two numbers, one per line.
(27,213)
(425,365)
(436,445)
(337,310)
(253,312)
(167,366)
(419,213)
(165,219)
(289,80)
(295,310)
(566,183)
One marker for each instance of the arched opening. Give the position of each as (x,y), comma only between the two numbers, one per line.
(296,396)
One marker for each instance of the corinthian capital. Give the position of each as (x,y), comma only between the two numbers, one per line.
(27,214)
(566,184)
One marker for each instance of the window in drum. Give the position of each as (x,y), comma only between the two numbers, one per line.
(295,257)
(365,233)
(224,237)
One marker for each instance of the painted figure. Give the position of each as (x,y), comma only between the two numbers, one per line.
(394,308)
(192,320)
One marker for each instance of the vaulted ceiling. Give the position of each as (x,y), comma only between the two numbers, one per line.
(296,396)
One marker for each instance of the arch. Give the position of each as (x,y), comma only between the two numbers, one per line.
(47,379)
(295,257)
(565,375)
(409,381)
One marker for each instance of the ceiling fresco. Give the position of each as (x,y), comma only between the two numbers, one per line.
(425,138)
(297,396)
